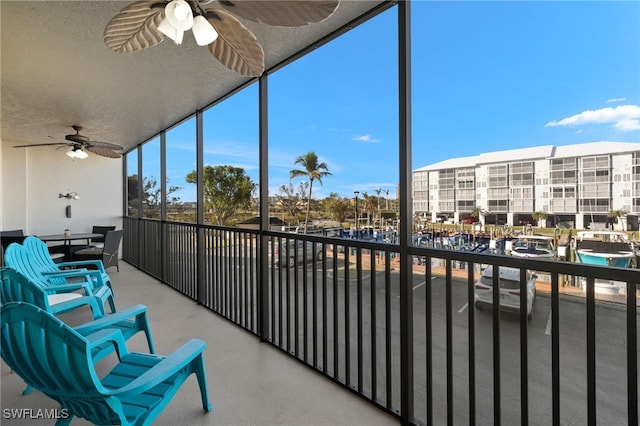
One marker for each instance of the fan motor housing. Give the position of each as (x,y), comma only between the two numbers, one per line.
(77,138)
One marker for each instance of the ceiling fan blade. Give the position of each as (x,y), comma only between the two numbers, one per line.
(236,46)
(40,144)
(285,13)
(135,27)
(103,145)
(102,152)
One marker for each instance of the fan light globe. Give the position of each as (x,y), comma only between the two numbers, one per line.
(182,10)
(77,153)
(167,29)
(81,154)
(203,31)
(170,31)
(179,14)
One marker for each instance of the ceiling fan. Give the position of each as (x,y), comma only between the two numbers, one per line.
(145,23)
(79,144)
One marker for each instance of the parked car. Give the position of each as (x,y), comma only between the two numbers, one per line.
(509,289)
(469,220)
(282,256)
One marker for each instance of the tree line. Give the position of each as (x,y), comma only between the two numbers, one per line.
(229,196)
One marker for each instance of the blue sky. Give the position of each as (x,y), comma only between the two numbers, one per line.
(487,76)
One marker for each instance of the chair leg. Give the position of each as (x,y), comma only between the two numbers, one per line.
(202,382)
(112,304)
(147,332)
(27,390)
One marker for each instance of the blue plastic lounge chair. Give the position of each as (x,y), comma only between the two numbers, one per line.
(23,261)
(15,287)
(40,252)
(56,360)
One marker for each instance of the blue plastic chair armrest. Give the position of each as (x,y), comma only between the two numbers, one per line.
(67,288)
(60,272)
(162,370)
(108,335)
(69,305)
(75,263)
(83,273)
(111,319)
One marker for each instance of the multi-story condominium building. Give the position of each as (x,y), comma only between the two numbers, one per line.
(577,185)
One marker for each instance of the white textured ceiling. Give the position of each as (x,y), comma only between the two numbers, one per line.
(56,72)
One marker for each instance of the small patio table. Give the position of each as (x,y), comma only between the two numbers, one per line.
(67,238)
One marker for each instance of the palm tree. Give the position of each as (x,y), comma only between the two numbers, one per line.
(314,171)
(615,215)
(368,206)
(539,216)
(476,212)
(378,191)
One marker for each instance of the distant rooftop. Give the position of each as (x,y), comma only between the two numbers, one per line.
(533,153)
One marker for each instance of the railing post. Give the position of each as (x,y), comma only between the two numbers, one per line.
(632,354)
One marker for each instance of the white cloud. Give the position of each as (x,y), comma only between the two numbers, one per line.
(616,100)
(623,117)
(628,125)
(366,138)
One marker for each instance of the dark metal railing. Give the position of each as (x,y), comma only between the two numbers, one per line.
(334,304)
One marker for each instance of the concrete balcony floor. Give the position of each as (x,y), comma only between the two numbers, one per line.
(250,383)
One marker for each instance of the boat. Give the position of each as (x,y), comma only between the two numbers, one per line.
(533,246)
(604,248)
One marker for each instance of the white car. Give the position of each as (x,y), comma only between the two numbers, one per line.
(509,289)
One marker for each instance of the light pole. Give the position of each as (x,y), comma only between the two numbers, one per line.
(356,217)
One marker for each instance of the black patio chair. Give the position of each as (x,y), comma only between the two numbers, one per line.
(108,254)
(99,241)
(9,237)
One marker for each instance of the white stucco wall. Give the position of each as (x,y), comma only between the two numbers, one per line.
(621,188)
(32,178)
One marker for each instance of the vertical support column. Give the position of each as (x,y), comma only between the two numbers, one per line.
(263,273)
(141,232)
(163,175)
(200,246)
(126,224)
(163,205)
(632,354)
(125,186)
(406,264)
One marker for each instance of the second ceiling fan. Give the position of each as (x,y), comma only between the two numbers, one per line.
(79,144)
